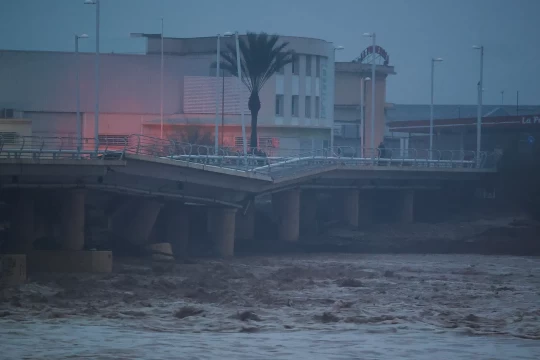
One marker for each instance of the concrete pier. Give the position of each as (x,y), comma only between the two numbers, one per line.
(308,213)
(135,219)
(22,223)
(72,220)
(245,223)
(406,208)
(221,223)
(286,205)
(176,228)
(350,207)
(366,208)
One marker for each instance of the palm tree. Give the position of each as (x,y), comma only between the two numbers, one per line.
(261,57)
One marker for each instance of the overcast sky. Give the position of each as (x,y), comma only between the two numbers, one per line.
(412,32)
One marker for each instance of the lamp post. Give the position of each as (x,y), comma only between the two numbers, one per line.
(78,90)
(218,63)
(162,64)
(502,97)
(240,97)
(362,113)
(161,85)
(372,135)
(96,110)
(479,112)
(433,61)
(336,48)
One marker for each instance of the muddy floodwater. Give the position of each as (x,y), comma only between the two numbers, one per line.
(282,307)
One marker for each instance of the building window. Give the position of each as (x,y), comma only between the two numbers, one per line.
(113,140)
(295,66)
(318,66)
(308,106)
(294,106)
(279,105)
(308,65)
(317,107)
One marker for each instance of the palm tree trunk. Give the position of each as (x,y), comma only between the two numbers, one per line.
(254,106)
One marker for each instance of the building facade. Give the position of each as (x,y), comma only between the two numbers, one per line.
(454,127)
(298,105)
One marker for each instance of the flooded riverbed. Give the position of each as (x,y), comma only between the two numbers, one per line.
(309,306)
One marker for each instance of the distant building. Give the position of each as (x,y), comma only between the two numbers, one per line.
(299,112)
(454,126)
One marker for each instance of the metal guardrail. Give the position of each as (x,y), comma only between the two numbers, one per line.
(44,148)
(256,161)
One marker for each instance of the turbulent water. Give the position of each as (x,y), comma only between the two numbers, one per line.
(302,307)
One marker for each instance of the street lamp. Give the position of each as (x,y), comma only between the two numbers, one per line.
(362,113)
(161,86)
(161,91)
(240,97)
(373,36)
(218,60)
(336,48)
(479,112)
(433,61)
(78,91)
(96,111)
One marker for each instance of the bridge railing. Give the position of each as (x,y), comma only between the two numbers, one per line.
(58,147)
(255,161)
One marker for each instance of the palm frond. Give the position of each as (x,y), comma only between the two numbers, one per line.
(262,56)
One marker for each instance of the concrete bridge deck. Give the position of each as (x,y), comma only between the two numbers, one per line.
(153,172)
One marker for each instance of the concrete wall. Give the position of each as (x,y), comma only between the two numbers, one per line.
(45,81)
(348,93)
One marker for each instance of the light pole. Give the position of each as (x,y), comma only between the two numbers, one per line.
(78,90)
(433,61)
(240,97)
(218,63)
(479,112)
(362,113)
(161,85)
(373,36)
(502,97)
(336,48)
(162,63)
(96,110)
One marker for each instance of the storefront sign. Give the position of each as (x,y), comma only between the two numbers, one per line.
(528,120)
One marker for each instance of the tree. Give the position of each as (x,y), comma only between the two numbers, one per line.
(195,135)
(262,56)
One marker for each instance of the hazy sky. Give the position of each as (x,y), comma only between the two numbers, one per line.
(412,31)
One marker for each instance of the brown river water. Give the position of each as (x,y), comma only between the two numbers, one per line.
(282,307)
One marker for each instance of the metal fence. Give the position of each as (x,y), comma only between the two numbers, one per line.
(255,161)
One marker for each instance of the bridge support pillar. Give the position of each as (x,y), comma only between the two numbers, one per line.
(221,225)
(177,228)
(23,223)
(245,223)
(72,220)
(406,208)
(365,207)
(308,213)
(350,207)
(286,205)
(138,228)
